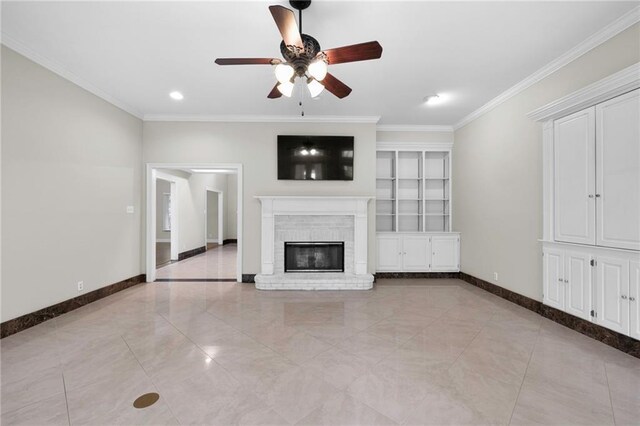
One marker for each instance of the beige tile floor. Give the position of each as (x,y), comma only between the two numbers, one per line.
(217,262)
(438,353)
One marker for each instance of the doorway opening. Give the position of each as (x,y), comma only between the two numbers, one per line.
(194,222)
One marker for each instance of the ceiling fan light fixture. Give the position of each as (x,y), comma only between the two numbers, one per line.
(318,69)
(286,88)
(315,87)
(284,72)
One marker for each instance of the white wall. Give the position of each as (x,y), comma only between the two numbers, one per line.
(231,207)
(162,187)
(212,217)
(71,164)
(441,137)
(254,145)
(497,172)
(191,202)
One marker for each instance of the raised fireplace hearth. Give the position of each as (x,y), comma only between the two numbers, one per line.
(314,243)
(312,256)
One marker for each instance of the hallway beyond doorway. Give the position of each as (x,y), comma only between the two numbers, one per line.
(217,263)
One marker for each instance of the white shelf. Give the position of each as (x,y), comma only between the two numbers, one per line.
(414,188)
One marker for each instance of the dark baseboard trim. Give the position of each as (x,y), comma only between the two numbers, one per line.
(16,325)
(614,339)
(230,241)
(392,275)
(248,278)
(190,253)
(196,280)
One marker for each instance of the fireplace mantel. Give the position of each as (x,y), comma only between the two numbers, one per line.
(339,206)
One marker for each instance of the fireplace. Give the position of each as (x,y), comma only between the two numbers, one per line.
(314,243)
(310,256)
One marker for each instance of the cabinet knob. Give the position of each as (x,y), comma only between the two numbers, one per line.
(624,296)
(560,279)
(566,281)
(633,299)
(597,195)
(590,195)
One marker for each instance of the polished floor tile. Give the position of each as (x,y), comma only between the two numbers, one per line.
(410,352)
(217,262)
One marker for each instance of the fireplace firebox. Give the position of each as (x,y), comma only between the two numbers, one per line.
(310,256)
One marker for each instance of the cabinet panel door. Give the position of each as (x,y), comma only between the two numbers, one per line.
(612,290)
(553,278)
(634,305)
(445,253)
(618,171)
(389,250)
(574,172)
(416,253)
(577,280)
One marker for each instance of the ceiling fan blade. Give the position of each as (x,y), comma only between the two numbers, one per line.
(247,61)
(275,93)
(355,52)
(335,86)
(286,22)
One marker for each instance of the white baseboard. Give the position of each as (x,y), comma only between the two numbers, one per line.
(163,240)
(213,240)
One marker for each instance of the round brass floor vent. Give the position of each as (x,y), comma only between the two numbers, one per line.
(146,400)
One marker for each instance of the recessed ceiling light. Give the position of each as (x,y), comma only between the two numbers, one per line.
(176,96)
(431,99)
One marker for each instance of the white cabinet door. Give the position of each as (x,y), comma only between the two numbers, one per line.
(574,170)
(577,283)
(389,248)
(618,171)
(445,253)
(416,253)
(612,293)
(553,279)
(634,300)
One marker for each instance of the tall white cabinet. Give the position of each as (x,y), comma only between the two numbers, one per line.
(591,244)
(413,209)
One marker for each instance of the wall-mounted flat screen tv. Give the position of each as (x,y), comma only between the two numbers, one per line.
(315,157)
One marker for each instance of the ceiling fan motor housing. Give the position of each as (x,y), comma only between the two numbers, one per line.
(301,58)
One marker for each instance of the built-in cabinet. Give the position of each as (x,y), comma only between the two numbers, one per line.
(413,209)
(591,244)
(597,174)
(418,253)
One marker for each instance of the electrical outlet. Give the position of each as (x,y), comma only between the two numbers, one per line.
(131,209)
(80,285)
(495,276)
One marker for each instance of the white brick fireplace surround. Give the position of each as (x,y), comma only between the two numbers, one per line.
(301,219)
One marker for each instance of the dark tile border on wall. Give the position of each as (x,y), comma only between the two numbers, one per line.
(15,325)
(190,253)
(230,241)
(397,275)
(614,339)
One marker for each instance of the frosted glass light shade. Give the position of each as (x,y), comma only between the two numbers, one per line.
(284,72)
(286,88)
(315,87)
(318,69)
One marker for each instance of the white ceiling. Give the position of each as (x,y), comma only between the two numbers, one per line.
(469,52)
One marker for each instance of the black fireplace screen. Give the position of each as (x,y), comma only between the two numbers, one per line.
(314,256)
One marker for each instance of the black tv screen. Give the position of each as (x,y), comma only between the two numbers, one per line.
(315,157)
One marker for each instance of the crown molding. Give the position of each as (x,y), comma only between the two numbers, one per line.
(616,84)
(263,118)
(611,30)
(412,128)
(58,69)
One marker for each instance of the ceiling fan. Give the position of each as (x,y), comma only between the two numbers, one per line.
(303,57)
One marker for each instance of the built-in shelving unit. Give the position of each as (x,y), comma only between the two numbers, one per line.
(413,190)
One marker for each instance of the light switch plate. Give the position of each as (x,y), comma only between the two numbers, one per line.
(130,209)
